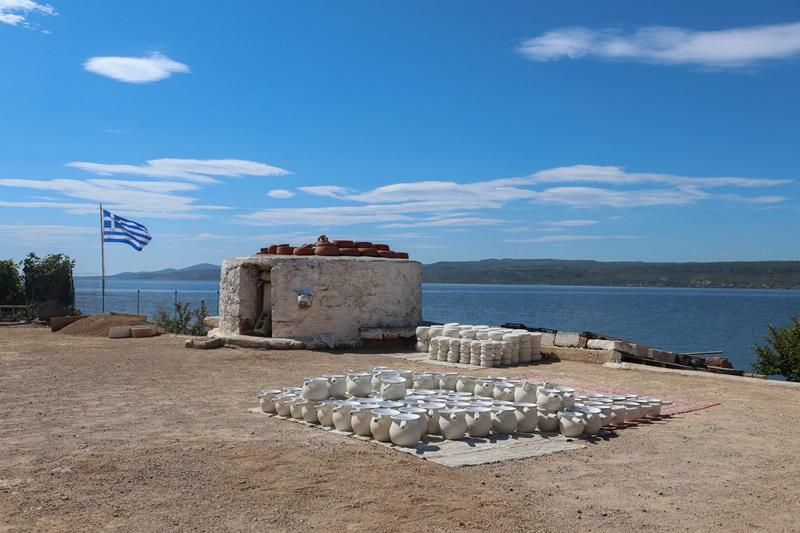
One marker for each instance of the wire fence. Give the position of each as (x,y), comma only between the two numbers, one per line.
(144,301)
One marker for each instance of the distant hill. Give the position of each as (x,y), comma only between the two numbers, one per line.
(737,274)
(203,271)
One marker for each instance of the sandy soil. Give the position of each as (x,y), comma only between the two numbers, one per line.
(143,434)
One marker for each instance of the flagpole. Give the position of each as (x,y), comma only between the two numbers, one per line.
(102,265)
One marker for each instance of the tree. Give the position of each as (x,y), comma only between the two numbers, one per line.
(11,291)
(781,355)
(49,278)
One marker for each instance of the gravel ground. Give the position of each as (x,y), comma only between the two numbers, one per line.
(143,434)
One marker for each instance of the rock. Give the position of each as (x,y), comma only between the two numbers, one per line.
(720,362)
(565,338)
(601,344)
(661,355)
(205,344)
(139,332)
(211,321)
(119,332)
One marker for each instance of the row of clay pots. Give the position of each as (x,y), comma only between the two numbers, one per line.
(330,250)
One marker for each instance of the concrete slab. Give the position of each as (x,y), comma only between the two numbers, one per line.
(469,451)
(568,339)
(119,332)
(661,355)
(139,332)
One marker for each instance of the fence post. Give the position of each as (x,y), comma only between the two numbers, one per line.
(137,301)
(175,304)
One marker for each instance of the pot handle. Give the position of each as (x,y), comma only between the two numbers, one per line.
(452,416)
(403,424)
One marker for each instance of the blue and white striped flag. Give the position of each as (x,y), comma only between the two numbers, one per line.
(118,229)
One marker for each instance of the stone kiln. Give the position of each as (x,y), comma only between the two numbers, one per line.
(318,300)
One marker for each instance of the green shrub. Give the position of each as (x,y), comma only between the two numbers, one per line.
(781,355)
(11,289)
(183,321)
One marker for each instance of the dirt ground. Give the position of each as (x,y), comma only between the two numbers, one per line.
(143,434)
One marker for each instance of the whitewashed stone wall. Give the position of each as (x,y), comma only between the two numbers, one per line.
(347,293)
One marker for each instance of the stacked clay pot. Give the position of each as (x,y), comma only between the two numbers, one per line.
(487,347)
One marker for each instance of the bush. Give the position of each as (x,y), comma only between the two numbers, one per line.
(183,321)
(11,289)
(781,356)
(49,278)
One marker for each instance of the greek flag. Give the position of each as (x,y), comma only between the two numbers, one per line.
(118,229)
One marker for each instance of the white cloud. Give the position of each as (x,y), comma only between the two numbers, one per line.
(196,170)
(450,221)
(41,234)
(595,197)
(567,238)
(730,48)
(156,199)
(332,191)
(570,223)
(146,69)
(280,193)
(16,12)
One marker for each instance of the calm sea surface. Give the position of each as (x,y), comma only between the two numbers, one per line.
(687,320)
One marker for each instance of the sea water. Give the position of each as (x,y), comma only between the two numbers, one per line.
(684,320)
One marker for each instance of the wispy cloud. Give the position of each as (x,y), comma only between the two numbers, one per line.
(17,12)
(146,69)
(566,238)
(40,234)
(197,170)
(725,48)
(280,194)
(332,191)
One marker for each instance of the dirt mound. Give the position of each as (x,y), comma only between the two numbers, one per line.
(97,325)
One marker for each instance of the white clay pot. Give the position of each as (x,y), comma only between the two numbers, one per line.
(432,409)
(379,425)
(423,417)
(266,400)
(504,420)
(593,420)
(452,423)
(527,416)
(465,384)
(479,421)
(547,421)
(484,388)
(393,387)
(448,380)
(283,404)
(337,385)
(360,420)
(377,374)
(504,391)
(424,381)
(548,399)
(405,429)
(409,377)
(423,333)
(325,413)
(314,389)
(341,415)
(655,407)
(525,392)
(617,414)
(567,397)
(359,384)
(296,408)
(570,424)
(309,412)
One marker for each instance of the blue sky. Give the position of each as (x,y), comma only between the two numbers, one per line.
(452,130)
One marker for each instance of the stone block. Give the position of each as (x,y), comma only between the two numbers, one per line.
(139,332)
(211,321)
(567,339)
(205,344)
(119,332)
(548,339)
(661,355)
(601,344)
(640,350)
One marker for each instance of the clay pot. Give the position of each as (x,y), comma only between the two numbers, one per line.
(349,252)
(359,384)
(362,244)
(423,381)
(525,392)
(326,250)
(593,420)
(325,412)
(310,412)
(264,251)
(527,417)
(423,416)
(400,255)
(341,415)
(548,421)
(266,400)
(504,420)
(342,244)
(385,254)
(368,252)
(315,388)
(337,384)
(570,424)
(296,408)
(484,388)
(393,387)
(360,420)
(284,250)
(379,425)
(479,420)
(433,409)
(272,249)
(383,247)
(448,380)
(304,250)
(466,384)
(405,429)
(283,404)
(548,399)
(452,423)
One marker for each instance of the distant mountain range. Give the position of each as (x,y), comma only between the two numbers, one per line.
(738,274)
